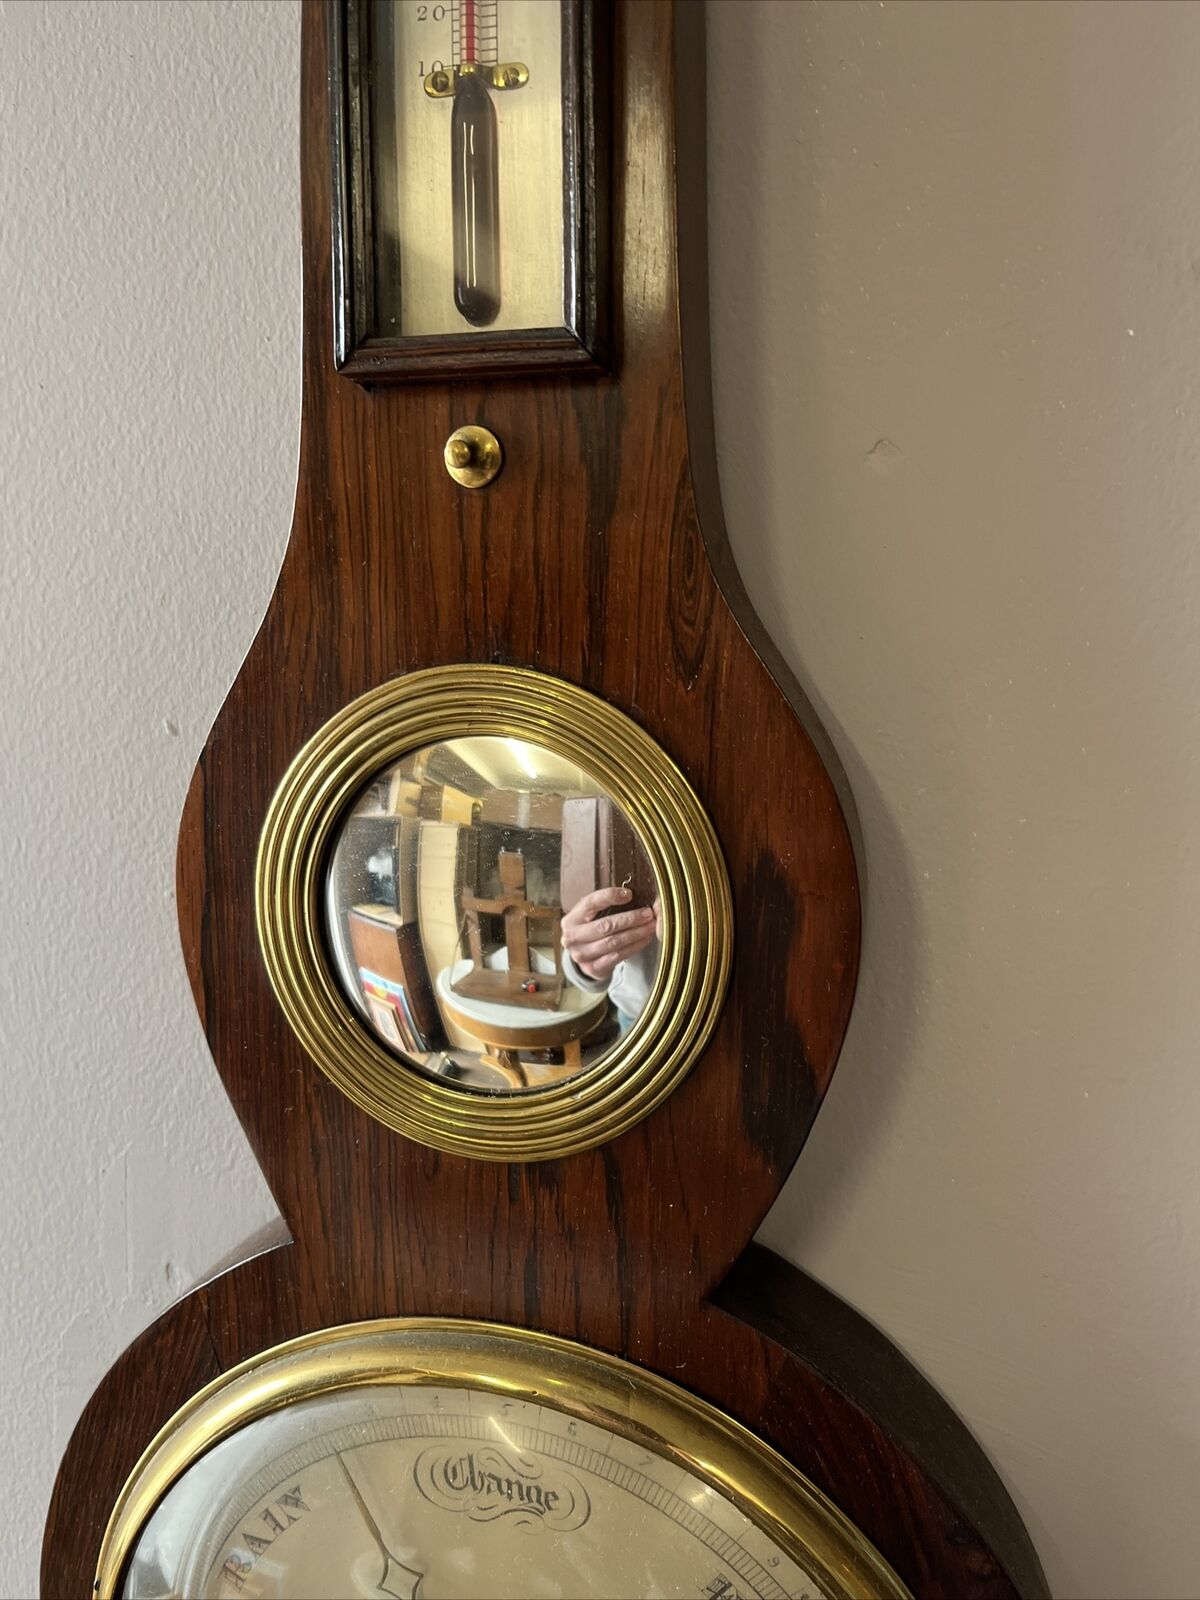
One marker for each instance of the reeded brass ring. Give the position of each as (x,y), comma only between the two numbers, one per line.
(442,703)
(520,1364)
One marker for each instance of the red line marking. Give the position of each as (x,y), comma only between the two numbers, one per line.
(468,17)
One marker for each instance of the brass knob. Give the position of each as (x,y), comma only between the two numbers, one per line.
(473,456)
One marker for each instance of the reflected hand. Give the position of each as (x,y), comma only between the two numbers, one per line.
(598,938)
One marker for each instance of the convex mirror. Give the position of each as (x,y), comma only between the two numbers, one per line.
(492,915)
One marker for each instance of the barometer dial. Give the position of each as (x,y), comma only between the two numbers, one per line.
(421,1493)
(422,1460)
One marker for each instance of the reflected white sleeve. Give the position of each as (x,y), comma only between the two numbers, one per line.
(580,979)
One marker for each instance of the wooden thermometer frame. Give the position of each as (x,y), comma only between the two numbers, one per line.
(581,342)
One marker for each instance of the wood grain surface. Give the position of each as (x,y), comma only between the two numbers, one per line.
(594,556)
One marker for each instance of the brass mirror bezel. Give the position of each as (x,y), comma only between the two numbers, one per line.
(422,708)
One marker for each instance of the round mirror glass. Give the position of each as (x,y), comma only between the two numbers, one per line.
(492,915)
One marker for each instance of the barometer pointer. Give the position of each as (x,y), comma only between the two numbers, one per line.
(397,1581)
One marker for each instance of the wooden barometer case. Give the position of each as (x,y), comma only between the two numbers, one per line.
(520,908)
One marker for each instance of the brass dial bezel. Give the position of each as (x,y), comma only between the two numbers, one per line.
(452,702)
(520,1364)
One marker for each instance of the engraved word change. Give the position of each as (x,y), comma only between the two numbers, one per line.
(485,1484)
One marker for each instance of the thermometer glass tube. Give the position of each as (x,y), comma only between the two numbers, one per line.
(476,198)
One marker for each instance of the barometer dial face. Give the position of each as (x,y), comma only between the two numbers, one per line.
(419,1493)
(420,1459)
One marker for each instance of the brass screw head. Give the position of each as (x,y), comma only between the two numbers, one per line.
(441,81)
(473,456)
(511,77)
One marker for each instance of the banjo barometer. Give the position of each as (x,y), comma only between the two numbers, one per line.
(520,909)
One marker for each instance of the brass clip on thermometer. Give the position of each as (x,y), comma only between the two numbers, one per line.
(474,155)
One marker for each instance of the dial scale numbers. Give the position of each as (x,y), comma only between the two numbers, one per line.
(417,1493)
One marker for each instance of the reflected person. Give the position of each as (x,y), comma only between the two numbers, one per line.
(606,948)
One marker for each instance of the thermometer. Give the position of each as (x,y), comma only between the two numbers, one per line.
(470,81)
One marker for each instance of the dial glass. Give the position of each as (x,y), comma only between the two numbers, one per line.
(424,1492)
(493,916)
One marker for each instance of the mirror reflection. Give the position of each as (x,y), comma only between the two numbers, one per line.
(492,914)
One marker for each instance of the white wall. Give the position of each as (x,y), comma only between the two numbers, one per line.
(149,404)
(957,278)
(956,274)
